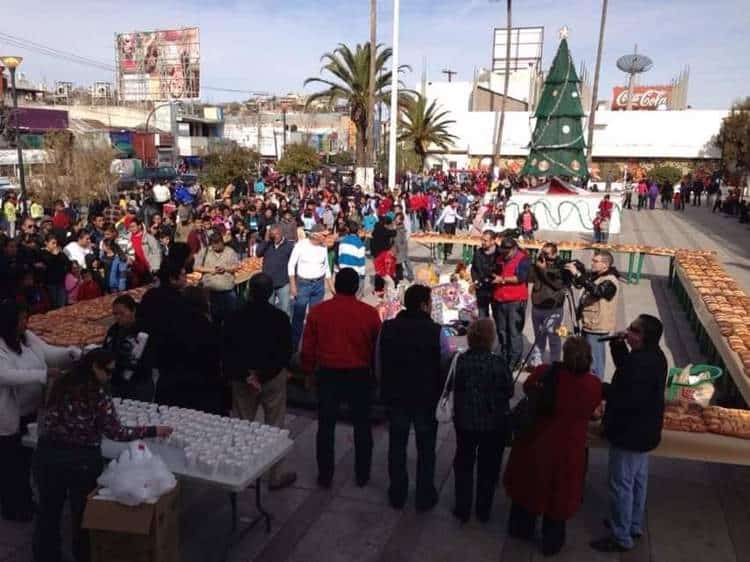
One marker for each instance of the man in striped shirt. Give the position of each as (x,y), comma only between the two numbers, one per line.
(352,253)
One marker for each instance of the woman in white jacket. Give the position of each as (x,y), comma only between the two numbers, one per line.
(26,362)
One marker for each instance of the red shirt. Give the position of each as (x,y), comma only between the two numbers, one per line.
(340,334)
(385,264)
(61,220)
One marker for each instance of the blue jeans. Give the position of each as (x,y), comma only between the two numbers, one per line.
(628,482)
(309,293)
(546,321)
(598,352)
(510,318)
(280,299)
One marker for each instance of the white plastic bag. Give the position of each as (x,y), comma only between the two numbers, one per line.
(136,477)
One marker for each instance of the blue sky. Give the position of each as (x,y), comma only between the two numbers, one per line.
(273,45)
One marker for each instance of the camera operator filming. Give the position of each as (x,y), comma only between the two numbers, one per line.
(547,300)
(597,308)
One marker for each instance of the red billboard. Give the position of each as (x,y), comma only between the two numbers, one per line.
(644,97)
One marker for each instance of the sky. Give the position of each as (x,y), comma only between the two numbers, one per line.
(273,45)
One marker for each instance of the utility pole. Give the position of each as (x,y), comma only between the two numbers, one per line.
(370,136)
(595,91)
(394,101)
(499,138)
(450,74)
(631,83)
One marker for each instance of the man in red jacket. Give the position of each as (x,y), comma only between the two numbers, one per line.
(338,347)
(509,298)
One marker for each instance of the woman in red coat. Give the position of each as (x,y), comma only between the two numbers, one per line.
(547,464)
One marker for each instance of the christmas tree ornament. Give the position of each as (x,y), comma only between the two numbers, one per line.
(557,145)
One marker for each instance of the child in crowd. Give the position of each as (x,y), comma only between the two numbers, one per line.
(88,288)
(73,282)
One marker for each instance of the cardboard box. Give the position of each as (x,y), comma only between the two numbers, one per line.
(144,533)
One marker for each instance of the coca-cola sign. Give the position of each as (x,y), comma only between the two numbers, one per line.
(644,97)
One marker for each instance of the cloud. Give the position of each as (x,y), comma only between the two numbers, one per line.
(263,45)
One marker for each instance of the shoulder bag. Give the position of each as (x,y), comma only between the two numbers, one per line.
(444,410)
(538,401)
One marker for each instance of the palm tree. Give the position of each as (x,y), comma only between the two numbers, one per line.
(422,125)
(350,83)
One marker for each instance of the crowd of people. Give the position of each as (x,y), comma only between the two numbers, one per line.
(200,347)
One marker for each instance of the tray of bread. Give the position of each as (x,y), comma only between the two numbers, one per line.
(695,418)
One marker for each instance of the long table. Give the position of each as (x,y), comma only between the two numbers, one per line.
(707,447)
(636,253)
(712,343)
(175,460)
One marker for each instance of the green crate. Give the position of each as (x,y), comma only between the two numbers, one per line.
(673,387)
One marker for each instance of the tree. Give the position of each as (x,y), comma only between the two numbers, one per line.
(344,158)
(298,159)
(423,125)
(224,166)
(734,139)
(557,144)
(75,170)
(666,174)
(350,83)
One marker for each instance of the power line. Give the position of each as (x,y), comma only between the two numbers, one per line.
(93,63)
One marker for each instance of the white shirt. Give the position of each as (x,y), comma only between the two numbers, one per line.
(308,261)
(77,253)
(448,216)
(161,193)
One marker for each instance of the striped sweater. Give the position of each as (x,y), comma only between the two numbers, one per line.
(352,253)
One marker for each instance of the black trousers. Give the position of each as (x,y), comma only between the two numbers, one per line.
(485,449)
(355,387)
(448,248)
(401,418)
(61,474)
(628,202)
(15,477)
(483,304)
(522,524)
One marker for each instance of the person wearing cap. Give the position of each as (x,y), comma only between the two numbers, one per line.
(256,352)
(338,348)
(308,275)
(509,298)
(218,264)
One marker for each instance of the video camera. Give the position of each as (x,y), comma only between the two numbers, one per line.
(567,276)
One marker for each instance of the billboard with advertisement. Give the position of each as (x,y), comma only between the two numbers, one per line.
(644,97)
(158,65)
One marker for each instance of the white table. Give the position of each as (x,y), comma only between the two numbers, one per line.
(174,458)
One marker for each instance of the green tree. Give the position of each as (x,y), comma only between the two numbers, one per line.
(224,166)
(424,124)
(557,144)
(298,159)
(666,174)
(350,70)
(734,139)
(344,158)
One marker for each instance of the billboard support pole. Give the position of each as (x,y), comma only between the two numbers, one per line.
(175,142)
(392,134)
(595,89)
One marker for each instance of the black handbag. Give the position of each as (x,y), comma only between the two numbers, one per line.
(538,401)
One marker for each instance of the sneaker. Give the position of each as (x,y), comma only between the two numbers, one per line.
(362,481)
(324,482)
(284,481)
(462,517)
(428,504)
(608,544)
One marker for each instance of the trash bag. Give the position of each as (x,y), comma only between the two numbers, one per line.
(136,476)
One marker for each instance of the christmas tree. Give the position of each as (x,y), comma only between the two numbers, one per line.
(557,144)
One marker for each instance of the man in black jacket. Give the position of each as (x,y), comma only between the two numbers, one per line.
(409,364)
(483,266)
(276,251)
(547,299)
(257,349)
(632,423)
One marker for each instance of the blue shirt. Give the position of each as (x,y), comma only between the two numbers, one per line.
(369,222)
(352,253)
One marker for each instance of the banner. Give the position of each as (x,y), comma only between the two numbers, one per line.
(644,97)
(158,65)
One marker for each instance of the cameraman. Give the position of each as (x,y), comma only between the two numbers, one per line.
(547,299)
(483,271)
(597,309)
